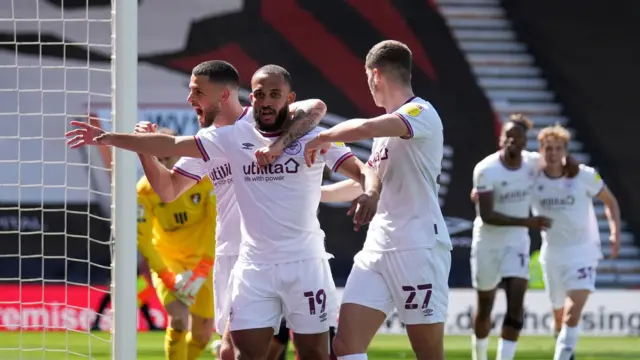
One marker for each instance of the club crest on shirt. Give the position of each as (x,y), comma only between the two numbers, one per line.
(293,149)
(414,109)
(195,198)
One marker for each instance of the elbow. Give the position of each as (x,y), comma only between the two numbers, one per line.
(167,197)
(320,107)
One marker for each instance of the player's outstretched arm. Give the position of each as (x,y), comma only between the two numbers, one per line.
(387,125)
(612,212)
(342,191)
(161,145)
(169,185)
(490,216)
(364,206)
(305,115)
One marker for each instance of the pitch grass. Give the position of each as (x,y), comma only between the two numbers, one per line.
(72,345)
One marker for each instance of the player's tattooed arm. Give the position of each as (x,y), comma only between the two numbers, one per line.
(342,191)
(305,115)
(492,217)
(612,212)
(365,205)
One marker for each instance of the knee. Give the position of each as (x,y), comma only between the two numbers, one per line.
(226,351)
(571,318)
(178,322)
(318,352)
(201,336)
(340,347)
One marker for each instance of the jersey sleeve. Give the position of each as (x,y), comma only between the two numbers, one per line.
(211,141)
(591,180)
(416,118)
(145,229)
(337,153)
(193,168)
(481,179)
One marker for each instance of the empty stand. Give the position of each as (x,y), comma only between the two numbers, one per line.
(511,80)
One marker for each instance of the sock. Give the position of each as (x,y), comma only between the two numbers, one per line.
(353,357)
(175,345)
(194,348)
(566,343)
(479,348)
(506,349)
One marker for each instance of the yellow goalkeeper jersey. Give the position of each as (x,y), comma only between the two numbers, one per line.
(182,231)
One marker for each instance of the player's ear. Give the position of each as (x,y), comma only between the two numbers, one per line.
(291,98)
(225,95)
(251,98)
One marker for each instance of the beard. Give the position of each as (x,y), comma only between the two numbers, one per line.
(281,117)
(209,117)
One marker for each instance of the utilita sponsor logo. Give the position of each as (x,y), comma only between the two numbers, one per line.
(220,172)
(288,167)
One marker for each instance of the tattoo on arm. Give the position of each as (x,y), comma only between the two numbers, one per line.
(300,123)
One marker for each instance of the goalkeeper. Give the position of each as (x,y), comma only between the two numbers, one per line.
(178,241)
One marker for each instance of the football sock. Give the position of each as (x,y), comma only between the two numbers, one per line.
(353,357)
(194,348)
(506,349)
(175,345)
(566,343)
(479,348)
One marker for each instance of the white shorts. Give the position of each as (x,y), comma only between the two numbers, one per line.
(416,282)
(489,264)
(561,277)
(222,269)
(302,291)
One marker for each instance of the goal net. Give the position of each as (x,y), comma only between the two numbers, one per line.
(58,60)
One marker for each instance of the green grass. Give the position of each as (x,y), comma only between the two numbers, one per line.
(60,345)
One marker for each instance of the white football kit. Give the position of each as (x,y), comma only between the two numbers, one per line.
(499,252)
(283,267)
(571,246)
(227,224)
(406,257)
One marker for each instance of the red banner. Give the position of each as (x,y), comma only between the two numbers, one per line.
(60,307)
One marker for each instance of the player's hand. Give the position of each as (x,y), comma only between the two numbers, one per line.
(187,287)
(85,134)
(268,154)
(538,223)
(311,150)
(614,239)
(363,208)
(145,127)
(571,166)
(474,195)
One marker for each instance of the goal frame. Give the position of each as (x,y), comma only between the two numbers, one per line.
(124,90)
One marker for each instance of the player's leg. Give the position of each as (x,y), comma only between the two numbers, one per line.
(485,277)
(579,281)
(419,282)
(201,320)
(515,272)
(555,290)
(366,302)
(255,310)
(222,271)
(104,302)
(175,342)
(310,303)
(279,343)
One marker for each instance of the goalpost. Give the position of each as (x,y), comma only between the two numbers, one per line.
(67,217)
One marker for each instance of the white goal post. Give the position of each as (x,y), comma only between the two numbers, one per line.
(124,204)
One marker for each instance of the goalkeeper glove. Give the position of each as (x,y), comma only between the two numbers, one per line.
(189,282)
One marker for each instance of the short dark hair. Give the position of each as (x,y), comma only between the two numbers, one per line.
(218,71)
(275,70)
(522,120)
(391,56)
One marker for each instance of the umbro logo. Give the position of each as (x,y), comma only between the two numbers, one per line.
(247,146)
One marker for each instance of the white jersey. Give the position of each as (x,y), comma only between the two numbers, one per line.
(277,203)
(409,214)
(512,196)
(228,214)
(569,203)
